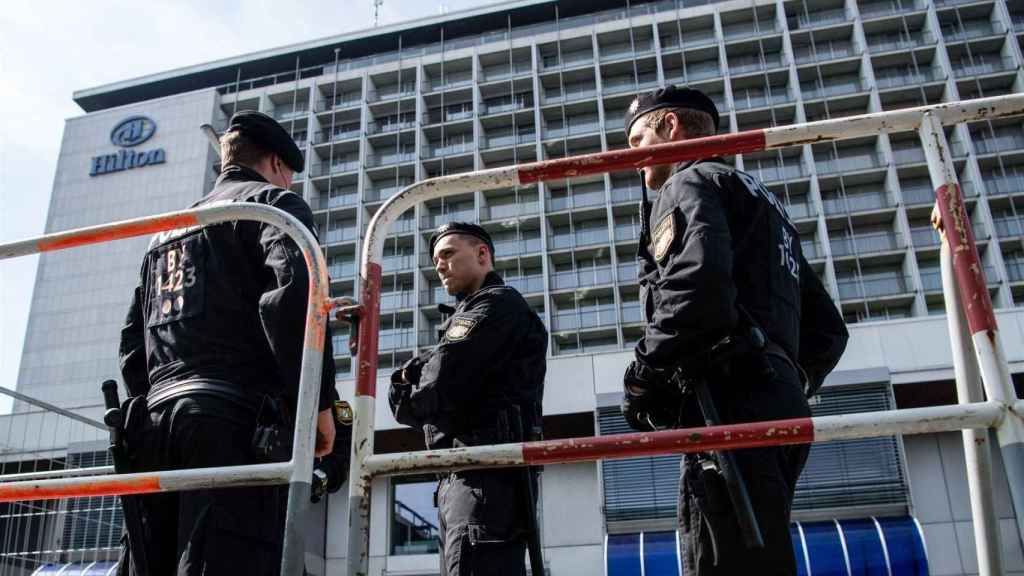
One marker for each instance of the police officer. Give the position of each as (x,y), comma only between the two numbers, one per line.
(211,353)
(728,297)
(482,384)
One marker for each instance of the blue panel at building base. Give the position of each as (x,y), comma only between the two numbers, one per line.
(861,547)
(77,569)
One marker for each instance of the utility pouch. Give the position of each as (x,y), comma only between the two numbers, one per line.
(271,440)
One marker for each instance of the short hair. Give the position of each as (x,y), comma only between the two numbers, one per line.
(475,241)
(696,123)
(236,148)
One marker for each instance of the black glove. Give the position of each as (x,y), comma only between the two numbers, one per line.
(650,399)
(410,372)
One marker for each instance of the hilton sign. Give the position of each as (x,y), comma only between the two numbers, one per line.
(128,133)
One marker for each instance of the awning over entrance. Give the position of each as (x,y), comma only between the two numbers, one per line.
(858,547)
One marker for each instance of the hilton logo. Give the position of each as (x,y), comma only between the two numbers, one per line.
(129,132)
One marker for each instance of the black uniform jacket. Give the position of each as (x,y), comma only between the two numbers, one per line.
(719,238)
(491,354)
(225,302)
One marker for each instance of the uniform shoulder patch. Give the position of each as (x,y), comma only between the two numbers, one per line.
(343,412)
(459,328)
(664,234)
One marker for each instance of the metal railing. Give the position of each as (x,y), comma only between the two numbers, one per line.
(977,348)
(296,472)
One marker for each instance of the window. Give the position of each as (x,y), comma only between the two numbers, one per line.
(414,525)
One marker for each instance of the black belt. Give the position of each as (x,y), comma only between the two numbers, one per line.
(481,437)
(216,388)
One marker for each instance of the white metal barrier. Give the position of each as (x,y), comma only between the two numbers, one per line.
(979,354)
(298,471)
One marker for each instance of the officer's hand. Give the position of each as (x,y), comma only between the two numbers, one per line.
(634,410)
(409,373)
(639,379)
(324,433)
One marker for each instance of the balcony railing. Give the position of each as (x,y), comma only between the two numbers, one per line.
(628,272)
(755,63)
(1015,270)
(824,51)
(1011,183)
(907,76)
(449,150)
(848,164)
(983,66)
(859,289)
(593,317)
(691,38)
(1004,140)
(749,29)
(288,112)
(341,101)
(835,87)
(438,116)
(505,71)
(504,210)
(822,18)
(577,199)
(502,105)
(396,339)
(397,300)
(569,94)
(1009,227)
(507,248)
(903,156)
(628,83)
(500,141)
(384,192)
(627,232)
(778,173)
(567,59)
(625,50)
(632,313)
(526,284)
(389,92)
(857,202)
(625,194)
(340,133)
(801,210)
(811,250)
(971,30)
(336,200)
(396,263)
(865,244)
(745,99)
(576,127)
(435,295)
(579,238)
(581,277)
(342,270)
(388,158)
(383,127)
(887,42)
(430,221)
(335,168)
(886,7)
(344,234)
(455,80)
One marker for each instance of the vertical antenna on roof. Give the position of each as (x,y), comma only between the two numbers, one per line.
(376,12)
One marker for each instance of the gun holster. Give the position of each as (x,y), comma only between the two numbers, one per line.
(272,438)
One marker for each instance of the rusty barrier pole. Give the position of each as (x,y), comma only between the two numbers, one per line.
(360,476)
(297,472)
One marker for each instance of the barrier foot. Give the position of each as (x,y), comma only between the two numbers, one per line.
(293,554)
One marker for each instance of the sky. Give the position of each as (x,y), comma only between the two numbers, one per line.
(50,49)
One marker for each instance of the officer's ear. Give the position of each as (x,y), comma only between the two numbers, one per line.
(675,128)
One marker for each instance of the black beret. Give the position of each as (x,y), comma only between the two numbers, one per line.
(670,97)
(266,132)
(461,228)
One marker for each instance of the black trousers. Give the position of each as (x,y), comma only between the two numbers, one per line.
(205,532)
(482,522)
(712,542)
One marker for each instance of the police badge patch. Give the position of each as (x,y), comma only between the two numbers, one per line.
(664,234)
(459,328)
(343,412)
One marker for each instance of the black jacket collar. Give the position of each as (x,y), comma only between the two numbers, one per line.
(492,279)
(236,173)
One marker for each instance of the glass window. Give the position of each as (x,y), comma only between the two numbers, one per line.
(414,526)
